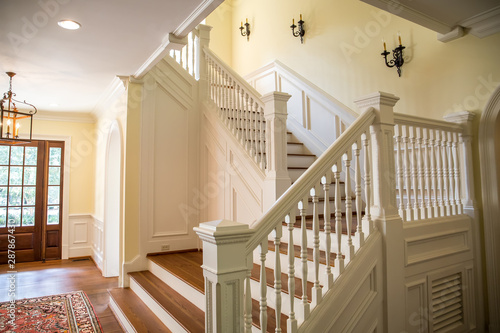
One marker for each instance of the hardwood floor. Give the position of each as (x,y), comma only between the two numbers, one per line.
(59,276)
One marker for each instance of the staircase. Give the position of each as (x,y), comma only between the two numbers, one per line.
(170,296)
(314,260)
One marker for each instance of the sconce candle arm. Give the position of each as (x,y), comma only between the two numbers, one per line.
(300,31)
(246,28)
(397,58)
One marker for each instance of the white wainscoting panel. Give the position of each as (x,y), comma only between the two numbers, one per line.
(80,237)
(98,242)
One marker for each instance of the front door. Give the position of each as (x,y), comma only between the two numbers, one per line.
(31,201)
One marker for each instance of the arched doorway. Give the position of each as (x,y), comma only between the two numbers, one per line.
(113,203)
(489,150)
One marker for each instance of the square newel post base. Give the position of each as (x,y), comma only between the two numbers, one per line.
(224,269)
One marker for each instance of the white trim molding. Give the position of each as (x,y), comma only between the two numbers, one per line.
(490,187)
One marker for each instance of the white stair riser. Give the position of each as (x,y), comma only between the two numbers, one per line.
(121,316)
(291,138)
(163,315)
(296,149)
(191,294)
(302,161)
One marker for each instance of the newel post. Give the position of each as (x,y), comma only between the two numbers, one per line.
(384,211)
(201,74)
(277,179)
(224,269)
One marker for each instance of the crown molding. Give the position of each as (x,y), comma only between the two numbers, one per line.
(198,15)
(118,86)
(74,117)
(484,24)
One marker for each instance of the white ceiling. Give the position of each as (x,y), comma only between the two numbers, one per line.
(477,17)
(73,68)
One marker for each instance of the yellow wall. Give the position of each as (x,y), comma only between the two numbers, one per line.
(341,54)
(81,188)
(222,22)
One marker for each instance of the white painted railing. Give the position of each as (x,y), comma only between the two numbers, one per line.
(186,57)
(240,107)
(428,168)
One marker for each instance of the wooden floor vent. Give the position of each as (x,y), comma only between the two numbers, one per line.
(447,303)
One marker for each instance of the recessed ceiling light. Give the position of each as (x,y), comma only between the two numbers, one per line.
(69,24)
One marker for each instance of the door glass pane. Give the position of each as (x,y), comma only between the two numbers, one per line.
(28,216)
(4,155)
(3,196)
(16,175)
(29,197)
(53,195)
(15,216)
(15,196)
(54,175)
(16,155)
(3,220)
(4,175)
(55,156)
(31,155)
(29,175)
(53,215)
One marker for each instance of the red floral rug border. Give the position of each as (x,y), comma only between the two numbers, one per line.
(69,312)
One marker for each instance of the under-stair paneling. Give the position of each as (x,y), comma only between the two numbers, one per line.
(169,159)
(439,269)
(231,182)
(356,303)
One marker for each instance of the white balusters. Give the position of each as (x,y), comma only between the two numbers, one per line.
(414,174)
(348,203)
(420,173)
(434,173)
(326,180)
(458,195)
(292,321)
(368,184)
(248,298)
(406,167)
(427,173)
(357,190)
(317,291)
(339,260)
(399,171)
(277,276)
(263,286)
(303,254)
(451,174)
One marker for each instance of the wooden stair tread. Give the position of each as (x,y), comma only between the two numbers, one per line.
(309,223)
(137,313)
(301,155)
(310,257)
(284,282)
(184,312)
(271,318)
(184,265)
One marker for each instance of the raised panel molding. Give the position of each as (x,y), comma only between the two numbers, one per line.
(416,306)
(430,247)
(80,235)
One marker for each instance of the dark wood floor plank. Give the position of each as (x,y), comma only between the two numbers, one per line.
(137,313)
(185,313)
(35,279)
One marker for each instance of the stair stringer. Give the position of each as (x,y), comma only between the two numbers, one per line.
(355,303)
(239,179)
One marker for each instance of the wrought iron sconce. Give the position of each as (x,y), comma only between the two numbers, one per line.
(300,31)
(247,29)
(397,56)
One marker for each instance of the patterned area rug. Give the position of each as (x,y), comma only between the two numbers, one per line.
(71,312)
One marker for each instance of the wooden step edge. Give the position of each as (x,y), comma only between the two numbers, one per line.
(185,313)
(284,282)
(184,276)
(322,254)
(135,311)
(305,155)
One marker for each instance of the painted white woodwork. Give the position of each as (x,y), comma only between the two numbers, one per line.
(490,192)
(98,242)
(315,117)
(80,235)
(224,269)
(384,210)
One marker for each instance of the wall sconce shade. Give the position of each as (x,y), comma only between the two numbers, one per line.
(397,56)
(300,31)
(246,28)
